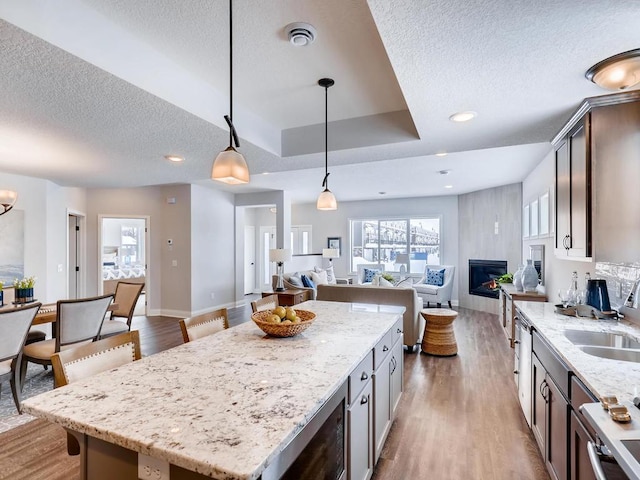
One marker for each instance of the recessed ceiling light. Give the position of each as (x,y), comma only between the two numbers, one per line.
(174,158)
(463,116)
(265,173)
(441,154)
(382,193)
(448,186)
(444,172)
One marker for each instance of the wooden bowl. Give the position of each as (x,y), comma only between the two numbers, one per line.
(283,330)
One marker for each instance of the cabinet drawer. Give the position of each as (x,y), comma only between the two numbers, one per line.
(382,349)
(360,376)
(396,331)
(580,395)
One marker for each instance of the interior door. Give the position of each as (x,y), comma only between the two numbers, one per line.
(73,263)
(249,259)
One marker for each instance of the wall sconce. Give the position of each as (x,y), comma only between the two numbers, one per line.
(618,72)
(7,200)
(279,256)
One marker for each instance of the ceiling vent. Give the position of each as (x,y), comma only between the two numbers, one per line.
(300,34)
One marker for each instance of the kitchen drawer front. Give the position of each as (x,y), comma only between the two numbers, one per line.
(396,331)
(555,367)
(360,376)
(382,349)
(580,395)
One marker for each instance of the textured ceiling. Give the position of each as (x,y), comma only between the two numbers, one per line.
(95,92)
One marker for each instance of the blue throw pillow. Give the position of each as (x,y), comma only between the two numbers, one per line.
(307,282)
(435,277)
(369,274)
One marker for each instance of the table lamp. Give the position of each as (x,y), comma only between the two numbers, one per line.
(403,260)
(279,256)
(330,253)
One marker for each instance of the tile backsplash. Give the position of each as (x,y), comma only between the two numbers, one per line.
(620,278)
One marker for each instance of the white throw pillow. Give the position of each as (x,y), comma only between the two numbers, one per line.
(319,278)
(383,282)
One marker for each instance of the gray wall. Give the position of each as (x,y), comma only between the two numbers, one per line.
(478,213)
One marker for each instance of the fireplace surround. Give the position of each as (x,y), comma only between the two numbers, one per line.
(483,275)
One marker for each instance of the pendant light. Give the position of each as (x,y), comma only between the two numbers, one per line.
(326,200)
(230,166)
(7,200)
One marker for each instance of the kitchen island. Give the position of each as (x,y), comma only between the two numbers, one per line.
(226,406)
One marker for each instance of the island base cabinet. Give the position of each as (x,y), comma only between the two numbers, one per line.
(360,428)
(580,465)
(382,408)
(397,369)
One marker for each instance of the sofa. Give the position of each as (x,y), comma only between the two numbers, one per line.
(433,293)
(413,323)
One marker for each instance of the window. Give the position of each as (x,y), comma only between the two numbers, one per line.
(381,241)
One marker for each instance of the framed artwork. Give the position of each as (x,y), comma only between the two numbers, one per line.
(544,214)
(335,242)
(534,230)
(11,247)
(525,222)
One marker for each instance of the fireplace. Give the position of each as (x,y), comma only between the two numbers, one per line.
(483,275)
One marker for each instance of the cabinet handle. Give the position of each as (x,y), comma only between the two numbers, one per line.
(385,349)
(516,342)
(515,372)
(541,388)
(399,331)
(363,400)
(364,376)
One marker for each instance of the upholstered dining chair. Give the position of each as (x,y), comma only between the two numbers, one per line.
(202,325)
(265,303)
(14,326)
(77,363)
(77,322)
(126,297)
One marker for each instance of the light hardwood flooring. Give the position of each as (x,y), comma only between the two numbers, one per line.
(459,417)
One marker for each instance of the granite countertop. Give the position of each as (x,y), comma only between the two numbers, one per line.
(225,405)
(602,376)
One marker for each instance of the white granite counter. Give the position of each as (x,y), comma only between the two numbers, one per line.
(602,376)
(225,405)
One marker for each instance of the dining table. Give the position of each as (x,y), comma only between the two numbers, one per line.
(48,312)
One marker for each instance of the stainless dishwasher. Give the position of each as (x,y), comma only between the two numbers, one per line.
(524,349)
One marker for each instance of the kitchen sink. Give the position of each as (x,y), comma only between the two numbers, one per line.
(601,339)
(612,353)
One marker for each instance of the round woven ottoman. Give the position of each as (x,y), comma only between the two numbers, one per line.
(438,338)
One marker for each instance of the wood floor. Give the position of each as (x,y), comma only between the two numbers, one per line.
(459,417)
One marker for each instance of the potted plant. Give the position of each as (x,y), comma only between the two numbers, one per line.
(24,289)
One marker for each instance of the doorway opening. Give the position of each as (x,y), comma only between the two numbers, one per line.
(124,255)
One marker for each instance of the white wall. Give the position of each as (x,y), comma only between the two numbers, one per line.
(45,205)
(213,249)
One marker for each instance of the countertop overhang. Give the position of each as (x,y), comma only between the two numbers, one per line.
(225,405)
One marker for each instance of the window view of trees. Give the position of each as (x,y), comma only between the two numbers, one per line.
(381,241)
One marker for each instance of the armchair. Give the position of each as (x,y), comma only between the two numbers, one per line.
(432,293)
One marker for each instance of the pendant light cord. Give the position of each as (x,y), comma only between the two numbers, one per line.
(325,182)
(233,135)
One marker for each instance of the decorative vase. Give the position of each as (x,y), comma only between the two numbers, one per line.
(24,295)
(529,277)
(517,279)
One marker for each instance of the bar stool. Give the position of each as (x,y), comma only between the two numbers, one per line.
(439,338)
